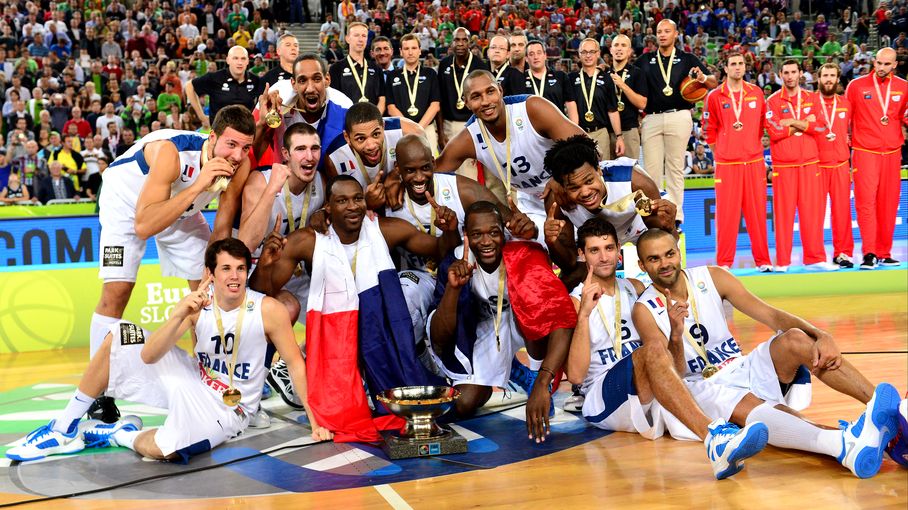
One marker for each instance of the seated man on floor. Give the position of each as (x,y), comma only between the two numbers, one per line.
(684,310)
(627,388)
(210,396)
(494,299)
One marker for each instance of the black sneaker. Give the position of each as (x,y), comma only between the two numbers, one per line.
(844,261)
(889,261)
(869,261)
(104,409)
(279,379)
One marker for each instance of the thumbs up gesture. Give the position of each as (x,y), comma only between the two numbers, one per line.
(519,224)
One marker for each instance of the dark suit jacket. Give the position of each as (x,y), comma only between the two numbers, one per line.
(46,189)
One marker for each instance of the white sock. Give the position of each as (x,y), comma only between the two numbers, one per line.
(126,438)
(76,408)
(100,326)
(789,431)
(535,364)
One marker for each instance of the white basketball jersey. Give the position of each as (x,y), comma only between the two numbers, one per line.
(126,175)
(317,195)
(602,346)
(712,331)
(485,290)
(214,353)
(445,194)
(617,177)
(528,148)
(345,161)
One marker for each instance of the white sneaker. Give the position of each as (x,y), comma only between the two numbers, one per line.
(765,268)
(260,420)
(727,445)
(781,269)
(97,434)
(822,266)
(45,441)
(574,403)
(865,439)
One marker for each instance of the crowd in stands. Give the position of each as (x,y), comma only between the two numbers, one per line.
(82,79)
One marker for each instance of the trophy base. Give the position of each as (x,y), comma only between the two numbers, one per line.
(396,447)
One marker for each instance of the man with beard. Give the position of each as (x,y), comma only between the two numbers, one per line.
(311,106)
(835,162)
(878,100)
(518,53)
(631,91)
(355,308)
(684,309)
(540,81)
(158,188)
(509,137)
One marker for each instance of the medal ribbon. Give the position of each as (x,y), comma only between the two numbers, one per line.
(458,84)
(666,75)
(700,350)
(411,92)
(618,91)
(419,225)
(736,107)
(879,95)
(588,96)
(830,118)
(505,177)
(360,81)
(362,166)
(616,334)
(236,334)
(500,71)
(540,90)
(499,305)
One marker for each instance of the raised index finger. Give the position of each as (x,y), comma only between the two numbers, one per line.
(466,248)
(589,274)
(512,205)
(552,210)
(277,224)
(431,199)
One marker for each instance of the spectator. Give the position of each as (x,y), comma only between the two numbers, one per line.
(702,163)
(82,125)
(14,192)
(333,52)
(57,185)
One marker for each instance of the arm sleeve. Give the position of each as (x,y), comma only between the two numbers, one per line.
(710,119)
(434,89)
(203,85)
(776,131)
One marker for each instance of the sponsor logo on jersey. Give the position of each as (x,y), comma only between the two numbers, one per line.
(702,287)
(112,256)
(130,334)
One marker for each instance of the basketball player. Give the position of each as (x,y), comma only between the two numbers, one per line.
(835,162)
(312,106)
(424,191)
(878,100)
(630,389)
(733,123)
(158,188)
(588,184)
(210,395)
(366,152)
(668,122)
(495,299)
(509,136)
(771,384)
(791,121)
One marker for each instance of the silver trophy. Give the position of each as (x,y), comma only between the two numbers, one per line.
(421,406)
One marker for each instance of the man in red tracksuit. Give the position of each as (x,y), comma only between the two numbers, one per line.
(878,111)
(835,165)
(791,120)
(733,123)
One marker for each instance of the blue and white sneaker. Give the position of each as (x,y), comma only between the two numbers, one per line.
(898,447)
(45,441)
(98,434)
(865,439)
(727,445)
(523,378)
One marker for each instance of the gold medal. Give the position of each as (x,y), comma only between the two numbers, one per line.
(666,73)
(667,91)
(460,104)
(458,84)
(412,111)
(589,116)
(273,118)
(588,95)
(620,106)
(642,203)
(710,371)
(232,397)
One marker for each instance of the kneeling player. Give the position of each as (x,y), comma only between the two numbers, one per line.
(497,298)
(629,389)
(769,384)
(210,396)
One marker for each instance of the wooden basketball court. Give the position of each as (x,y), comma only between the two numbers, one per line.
(618,470)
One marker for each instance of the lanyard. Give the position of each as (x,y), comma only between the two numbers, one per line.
(588,96)
(616,334)
(505,176)
(236,334)
(540,90)
(360,81)
(419,225)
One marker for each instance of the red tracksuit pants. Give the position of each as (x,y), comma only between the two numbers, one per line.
(799,188)
(876,199)
(741,187)
(837,185)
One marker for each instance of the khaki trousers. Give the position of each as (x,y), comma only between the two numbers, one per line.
(664,138)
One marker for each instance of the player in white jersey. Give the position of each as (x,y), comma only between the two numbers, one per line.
(684,309)
(425,191)
(629,389)
(594,188)
(367,151)
(509,136)
(209,395)
(158,188)
(496,298)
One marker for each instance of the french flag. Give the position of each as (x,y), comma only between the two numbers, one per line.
(655,303)
(356,322)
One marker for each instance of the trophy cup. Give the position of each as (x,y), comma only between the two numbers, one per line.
(420,406)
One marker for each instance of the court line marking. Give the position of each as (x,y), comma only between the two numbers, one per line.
(392,497)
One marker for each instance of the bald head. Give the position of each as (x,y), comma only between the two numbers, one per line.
(884,63)
(237,51)
(666,33)
(412,148)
